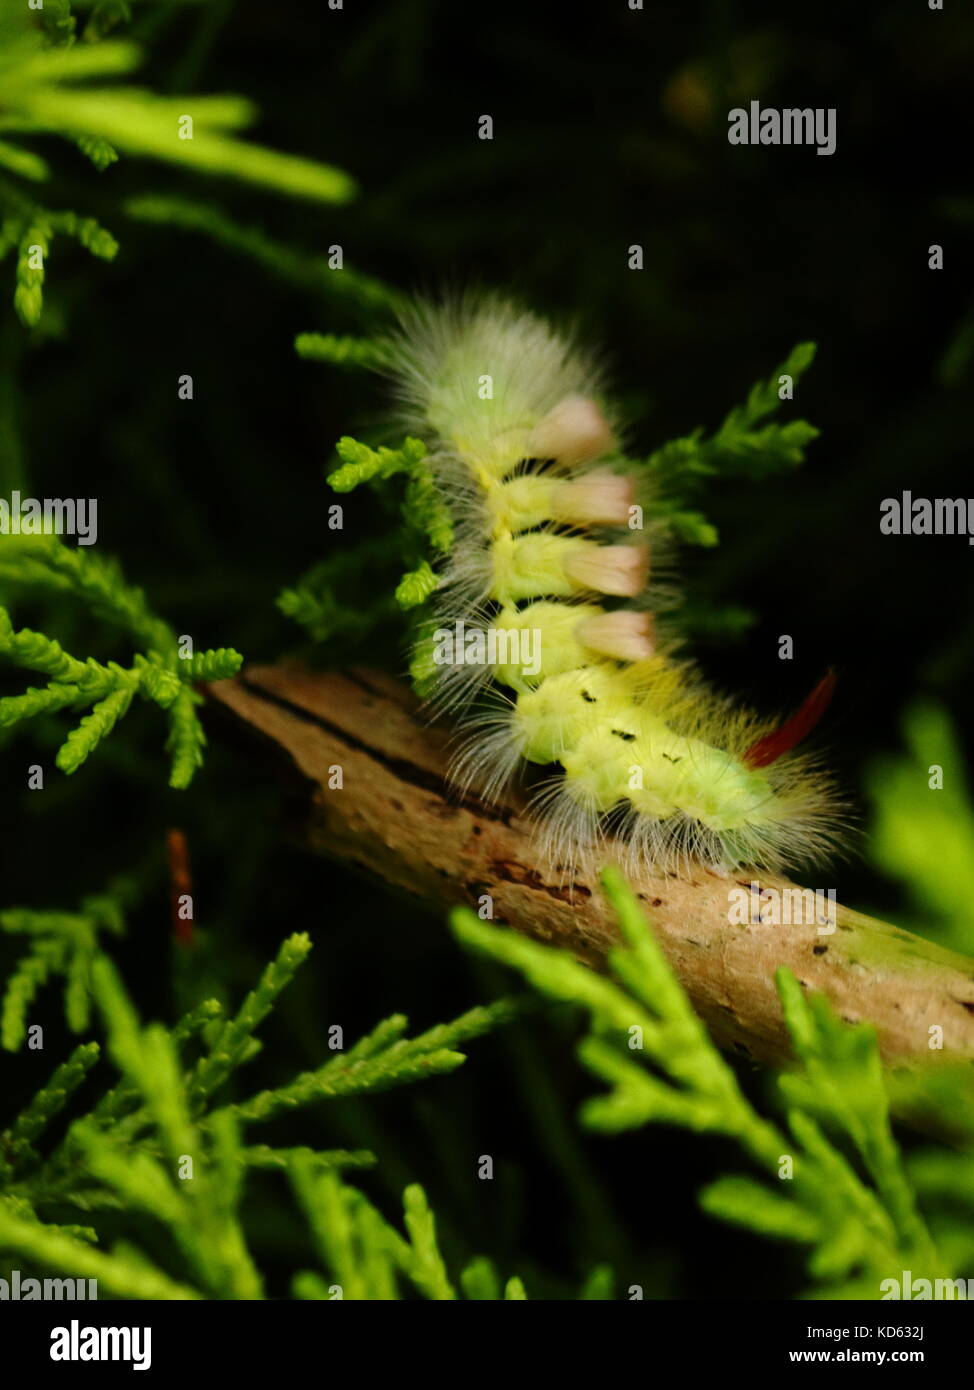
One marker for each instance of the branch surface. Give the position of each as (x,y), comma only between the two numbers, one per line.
(394,817)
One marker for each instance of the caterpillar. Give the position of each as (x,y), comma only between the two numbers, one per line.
(551,640)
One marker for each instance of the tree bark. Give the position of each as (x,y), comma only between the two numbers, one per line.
(375,772)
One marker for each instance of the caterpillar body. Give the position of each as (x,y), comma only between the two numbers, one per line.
(556,541)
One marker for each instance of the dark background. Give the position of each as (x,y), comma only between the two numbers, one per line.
(609,129)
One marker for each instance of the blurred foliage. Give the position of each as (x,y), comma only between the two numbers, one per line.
(923,827)
(155,1149)
(46,68)
(743,447)
(60,943)
(843,1191)
(419,524)
(164,674)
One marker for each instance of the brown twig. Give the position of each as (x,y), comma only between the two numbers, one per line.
(375,772)
(180,887)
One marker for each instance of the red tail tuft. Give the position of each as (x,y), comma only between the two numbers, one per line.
(769,749)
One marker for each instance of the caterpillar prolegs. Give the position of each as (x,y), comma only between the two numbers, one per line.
(550,640)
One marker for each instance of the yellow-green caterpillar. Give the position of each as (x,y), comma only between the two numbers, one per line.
(546,612)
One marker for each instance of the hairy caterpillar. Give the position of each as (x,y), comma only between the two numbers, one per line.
(555,540)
